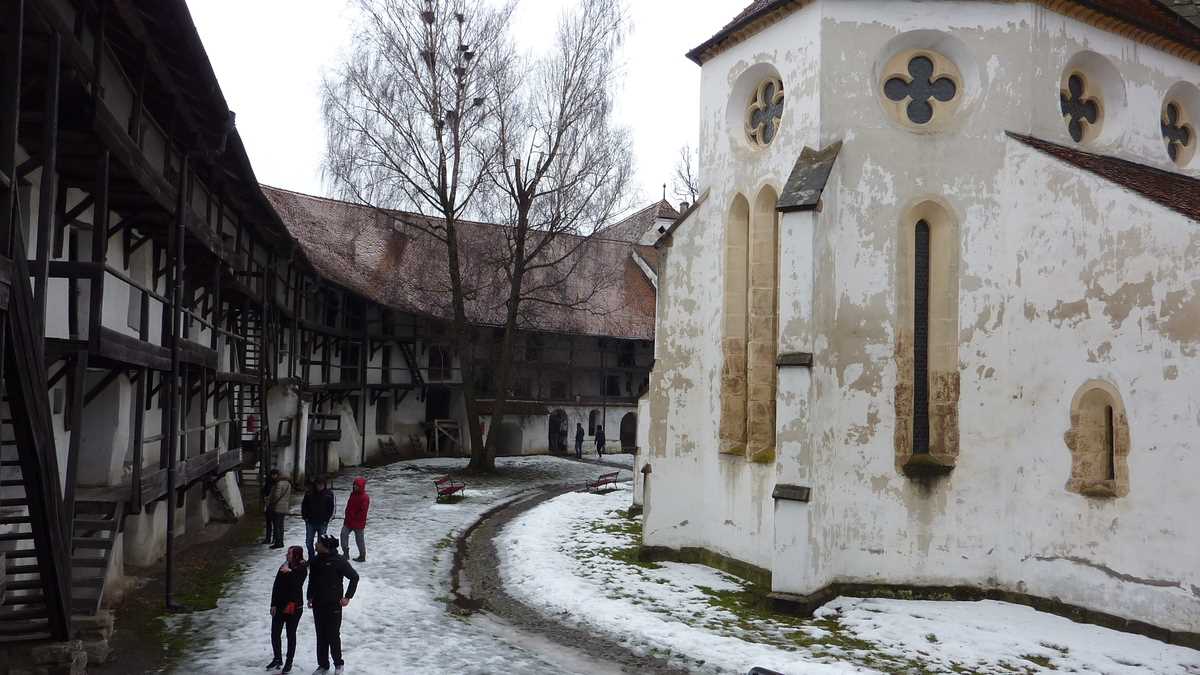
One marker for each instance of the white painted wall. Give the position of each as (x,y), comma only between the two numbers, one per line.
(1064,277)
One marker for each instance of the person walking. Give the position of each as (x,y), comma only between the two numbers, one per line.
(356,519)
(600,441)
(277,505)
(326,600)
(287,604)
(264,499)
(317,511)
(578,441)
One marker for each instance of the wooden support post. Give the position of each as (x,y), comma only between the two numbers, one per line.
(364,356)
(175,282)
(78,384)
(48,190)
(99,250)
(139,417)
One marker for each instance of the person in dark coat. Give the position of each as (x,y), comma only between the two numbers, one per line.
(287,604)
(326,599)
(317,511)
(267,486)
(356,519)
(600,441)
(578,441)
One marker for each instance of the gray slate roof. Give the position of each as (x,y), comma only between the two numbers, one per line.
(1188,9)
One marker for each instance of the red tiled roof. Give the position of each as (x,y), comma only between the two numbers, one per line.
(1175,20)
(1175,191)
(632,228)
(396,265)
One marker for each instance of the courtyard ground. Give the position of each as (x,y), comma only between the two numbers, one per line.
(398,622)
(574,557)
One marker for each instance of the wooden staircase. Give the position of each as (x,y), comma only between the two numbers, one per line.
(23,611)
(96,526)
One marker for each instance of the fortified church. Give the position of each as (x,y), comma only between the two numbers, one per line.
(952,251)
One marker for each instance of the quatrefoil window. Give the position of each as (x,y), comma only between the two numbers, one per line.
(919,88)
(765,111)
(1177,133)
(1080,108)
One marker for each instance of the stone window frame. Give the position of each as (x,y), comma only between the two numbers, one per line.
(1183,121)
(1099,453)
(750,328)
(942,368)
(757,134)
(1090,131)
(897,67)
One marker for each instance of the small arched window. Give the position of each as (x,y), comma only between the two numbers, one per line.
(1099,442)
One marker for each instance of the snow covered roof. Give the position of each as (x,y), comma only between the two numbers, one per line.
(385,258)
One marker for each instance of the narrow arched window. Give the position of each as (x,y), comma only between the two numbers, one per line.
(1110,444)
(921,272)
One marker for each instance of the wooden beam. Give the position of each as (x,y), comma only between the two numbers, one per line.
(78,382)
(139,415)
(47,191)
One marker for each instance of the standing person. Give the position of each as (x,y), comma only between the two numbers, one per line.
(277,505)
(600,441)
(317,511)
(264,497)
(578,441)
(356,519)
(287,604)
(326,600)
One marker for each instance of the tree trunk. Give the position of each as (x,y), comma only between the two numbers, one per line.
(462,342)
(504,371)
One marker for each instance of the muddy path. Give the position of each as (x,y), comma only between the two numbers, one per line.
(479,591)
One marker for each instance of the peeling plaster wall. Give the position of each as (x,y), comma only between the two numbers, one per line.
(1063,278)
(734,513)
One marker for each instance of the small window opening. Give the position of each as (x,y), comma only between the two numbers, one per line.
(921,341)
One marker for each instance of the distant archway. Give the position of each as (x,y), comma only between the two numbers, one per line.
(593,422)
(558,431)
(629,431)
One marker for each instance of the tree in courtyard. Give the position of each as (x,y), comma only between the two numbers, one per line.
(564,172)
(409,119)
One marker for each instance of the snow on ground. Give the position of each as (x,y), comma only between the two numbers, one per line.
(397,623)
(575,557)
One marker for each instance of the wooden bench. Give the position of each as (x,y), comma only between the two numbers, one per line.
(605,480)
(447,487)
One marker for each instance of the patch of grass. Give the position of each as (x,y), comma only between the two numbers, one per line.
(1043,661)
(930,637)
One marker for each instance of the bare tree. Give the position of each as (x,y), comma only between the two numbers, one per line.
(409,122)
(564,173)
(685,183)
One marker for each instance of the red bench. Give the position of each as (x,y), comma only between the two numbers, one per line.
(448,487)
(605,480)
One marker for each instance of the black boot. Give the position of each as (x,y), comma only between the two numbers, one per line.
(287,667)
(275,663)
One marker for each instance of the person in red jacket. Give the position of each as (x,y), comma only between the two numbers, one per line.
(356,519)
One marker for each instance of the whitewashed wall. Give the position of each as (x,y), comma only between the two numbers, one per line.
(1064,277)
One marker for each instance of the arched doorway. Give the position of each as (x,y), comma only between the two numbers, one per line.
(629,432)
(558,432)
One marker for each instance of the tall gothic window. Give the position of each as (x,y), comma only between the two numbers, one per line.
(921,338)
(927,343)
(733,333)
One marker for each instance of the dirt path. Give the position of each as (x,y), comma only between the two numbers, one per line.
(479,591)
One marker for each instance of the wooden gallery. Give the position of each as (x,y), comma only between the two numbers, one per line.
(172,330)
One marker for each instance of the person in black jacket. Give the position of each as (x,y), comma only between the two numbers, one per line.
(287,604)
(317,511)
(326,599)
(578,441)
(600,441)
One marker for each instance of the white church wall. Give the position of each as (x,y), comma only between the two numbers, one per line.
(1062,278)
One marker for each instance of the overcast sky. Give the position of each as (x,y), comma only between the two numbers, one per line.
(269,56)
